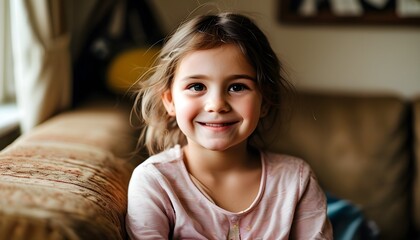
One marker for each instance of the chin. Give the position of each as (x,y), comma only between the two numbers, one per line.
(218,147)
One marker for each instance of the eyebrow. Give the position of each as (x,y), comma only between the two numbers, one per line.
(244,76)
(230,77)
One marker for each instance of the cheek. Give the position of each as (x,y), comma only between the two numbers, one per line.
(184,107)
(186,112)
(252,108)
(253,113)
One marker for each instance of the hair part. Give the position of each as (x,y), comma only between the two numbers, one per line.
(160,131)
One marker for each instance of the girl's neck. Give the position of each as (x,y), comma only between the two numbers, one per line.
(237,158)
(231,178)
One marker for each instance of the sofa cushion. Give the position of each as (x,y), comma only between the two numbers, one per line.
(67,179)
(358,147)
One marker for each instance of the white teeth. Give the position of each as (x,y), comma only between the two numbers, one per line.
(215,124)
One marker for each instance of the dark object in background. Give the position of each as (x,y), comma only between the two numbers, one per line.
(127,24)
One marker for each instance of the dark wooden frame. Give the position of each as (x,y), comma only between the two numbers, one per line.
(288,15)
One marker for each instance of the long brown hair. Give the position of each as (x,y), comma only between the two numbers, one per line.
(160,131)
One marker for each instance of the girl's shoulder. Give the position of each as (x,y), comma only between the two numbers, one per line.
(281,158)
(163,164)
(286,163)
(167,159)
(169,155)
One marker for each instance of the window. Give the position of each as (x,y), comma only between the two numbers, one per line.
(8,110)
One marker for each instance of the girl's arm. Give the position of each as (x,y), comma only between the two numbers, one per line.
(310,218)
(148,216)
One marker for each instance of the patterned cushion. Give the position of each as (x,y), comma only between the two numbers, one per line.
(67,179)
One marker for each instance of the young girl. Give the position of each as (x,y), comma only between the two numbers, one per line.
(216,83)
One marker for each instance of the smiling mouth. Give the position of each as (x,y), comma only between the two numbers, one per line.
(216,125)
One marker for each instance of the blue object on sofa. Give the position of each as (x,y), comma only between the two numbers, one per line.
(348,221)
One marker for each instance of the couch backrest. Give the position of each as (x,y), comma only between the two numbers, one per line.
(416,144)
(359,147)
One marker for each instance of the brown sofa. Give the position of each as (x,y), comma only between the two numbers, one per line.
(67,179)
(362,150)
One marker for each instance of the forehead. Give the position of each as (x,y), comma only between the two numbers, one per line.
(227,57)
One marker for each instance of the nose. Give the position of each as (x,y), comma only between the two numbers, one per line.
(217,103)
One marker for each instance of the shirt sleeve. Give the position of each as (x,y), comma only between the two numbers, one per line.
(147,214)
(310,219)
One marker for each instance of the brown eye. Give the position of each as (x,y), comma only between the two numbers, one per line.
(197,87)
(237,87)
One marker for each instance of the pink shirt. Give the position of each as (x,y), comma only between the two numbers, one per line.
(164,203)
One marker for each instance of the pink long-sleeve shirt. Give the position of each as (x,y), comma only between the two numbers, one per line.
(164,203)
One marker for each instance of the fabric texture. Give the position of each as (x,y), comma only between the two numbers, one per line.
(68,177)
(164,203)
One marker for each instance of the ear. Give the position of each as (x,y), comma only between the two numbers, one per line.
(264,110)
(168,102)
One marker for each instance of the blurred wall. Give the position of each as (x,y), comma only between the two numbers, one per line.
(360,59)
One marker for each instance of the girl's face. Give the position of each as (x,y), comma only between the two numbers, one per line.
(215,98)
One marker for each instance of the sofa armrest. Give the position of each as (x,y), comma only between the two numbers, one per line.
(67,179)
